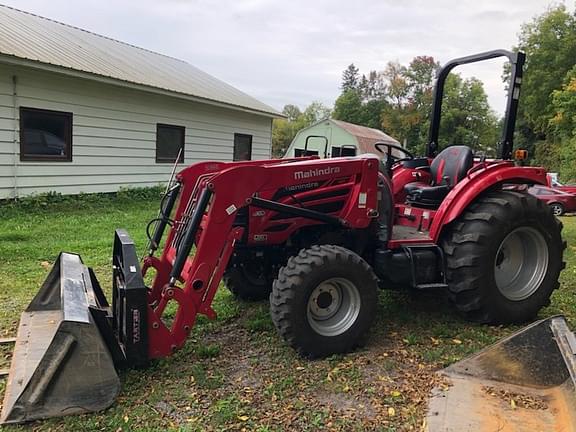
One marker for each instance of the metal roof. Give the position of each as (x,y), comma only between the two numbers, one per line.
(365,136)
(38,39)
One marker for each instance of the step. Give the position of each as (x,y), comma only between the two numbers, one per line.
(431,286)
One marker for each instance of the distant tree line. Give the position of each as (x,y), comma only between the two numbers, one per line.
(398,100)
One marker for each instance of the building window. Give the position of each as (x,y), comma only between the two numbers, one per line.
(343,151)
(242,147)
(45,135)
(169,143)
(302,153)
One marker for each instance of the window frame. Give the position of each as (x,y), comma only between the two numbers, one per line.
(182,144)
(68,116)
(239,135)
(348,148)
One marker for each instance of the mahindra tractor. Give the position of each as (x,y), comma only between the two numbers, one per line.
(318,237)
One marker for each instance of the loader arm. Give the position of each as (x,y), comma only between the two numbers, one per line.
(204,220)
(203,233)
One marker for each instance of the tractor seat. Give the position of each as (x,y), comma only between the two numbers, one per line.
(447,169)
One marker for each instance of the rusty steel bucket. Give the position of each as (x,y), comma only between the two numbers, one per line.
(61,364)
(523,383)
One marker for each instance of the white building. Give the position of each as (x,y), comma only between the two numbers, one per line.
(333,138)
(80,112)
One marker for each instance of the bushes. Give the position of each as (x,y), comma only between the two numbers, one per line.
(57,201)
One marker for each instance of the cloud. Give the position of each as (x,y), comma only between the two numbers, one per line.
(294,52)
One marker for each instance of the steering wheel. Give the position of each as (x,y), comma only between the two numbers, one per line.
(392,160)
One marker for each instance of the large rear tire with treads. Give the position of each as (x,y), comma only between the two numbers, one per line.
(504,257)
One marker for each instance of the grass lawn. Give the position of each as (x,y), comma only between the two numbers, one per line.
(235,373)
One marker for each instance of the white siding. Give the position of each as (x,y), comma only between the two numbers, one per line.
(6,136)
(114,134)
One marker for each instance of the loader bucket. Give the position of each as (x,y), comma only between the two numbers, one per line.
(524,383)
(61,364)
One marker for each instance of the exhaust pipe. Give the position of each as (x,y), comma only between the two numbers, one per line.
(523,383)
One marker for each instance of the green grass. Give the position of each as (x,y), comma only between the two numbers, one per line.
(235,373)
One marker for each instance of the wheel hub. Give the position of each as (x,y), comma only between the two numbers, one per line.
(521,263)
(333,306)
(324,300)
(557,210)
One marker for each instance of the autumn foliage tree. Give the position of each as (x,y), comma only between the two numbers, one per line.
(398,100)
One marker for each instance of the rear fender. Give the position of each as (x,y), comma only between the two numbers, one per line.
(477,182)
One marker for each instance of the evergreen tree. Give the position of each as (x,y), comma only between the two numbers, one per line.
(350,79)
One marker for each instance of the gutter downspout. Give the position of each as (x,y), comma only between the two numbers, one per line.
(271,152)
(15,132)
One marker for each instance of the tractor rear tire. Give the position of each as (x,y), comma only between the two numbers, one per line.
(245,285)
(324,301)
(504,257)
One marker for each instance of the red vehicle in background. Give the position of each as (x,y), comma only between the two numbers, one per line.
(560,201)
(555,184)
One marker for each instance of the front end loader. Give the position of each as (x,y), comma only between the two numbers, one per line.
(70,341)
(523,383)
(319,238)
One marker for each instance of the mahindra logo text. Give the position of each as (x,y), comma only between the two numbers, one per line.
(298,175)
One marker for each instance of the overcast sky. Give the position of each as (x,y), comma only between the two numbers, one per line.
(294,52)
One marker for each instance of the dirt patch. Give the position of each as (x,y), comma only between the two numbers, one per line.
(167,410)
(242,367)
(348,405)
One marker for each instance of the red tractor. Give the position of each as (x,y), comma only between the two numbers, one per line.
(319,237)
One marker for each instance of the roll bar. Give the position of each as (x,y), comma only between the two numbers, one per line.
(507,141)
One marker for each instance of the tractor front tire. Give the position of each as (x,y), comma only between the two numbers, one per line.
(504,257)
(245,284)
(324,301)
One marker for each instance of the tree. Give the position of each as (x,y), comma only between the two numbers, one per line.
(467,118)
(348,107)
(372,113)
(547,154)
(314,112)
(373,87)
(564,127)
(564,104)
(284,130)
(549,41)
(550,45)
(408,121)
(292,112)
(350,79)
(397,89)
(399,100)
(400,122)
(421,73)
